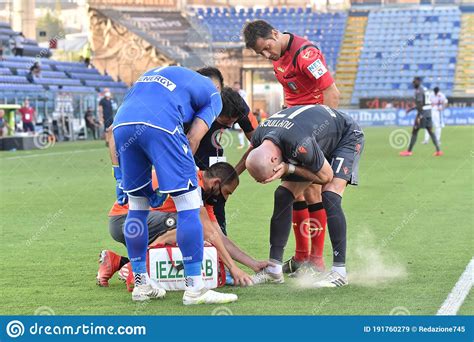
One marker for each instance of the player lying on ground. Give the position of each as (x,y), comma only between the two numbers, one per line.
(293,145)
(423,118)
(148,131)
(301,69)
(220,180)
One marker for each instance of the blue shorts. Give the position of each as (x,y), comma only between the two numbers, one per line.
(140,146)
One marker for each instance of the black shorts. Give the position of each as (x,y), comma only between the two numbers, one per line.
(425,121)
(28,127)
(344,159)
(158,224)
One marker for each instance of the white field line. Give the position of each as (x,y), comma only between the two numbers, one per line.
(459,292)
(51,154)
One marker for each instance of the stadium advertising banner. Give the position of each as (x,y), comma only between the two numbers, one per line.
(452,116)
(407,103)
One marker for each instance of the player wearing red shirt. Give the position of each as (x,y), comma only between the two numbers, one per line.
(301,69)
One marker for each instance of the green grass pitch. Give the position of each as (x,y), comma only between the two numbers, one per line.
(409,222)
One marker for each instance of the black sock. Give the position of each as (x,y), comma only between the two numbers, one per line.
(280,225)
(315,207)
(336,226)
(300,205)
(123,261)
(414,135)
(433,137)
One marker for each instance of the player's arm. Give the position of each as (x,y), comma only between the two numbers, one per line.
(211,234)
(331,96)
(240,166)
(322,176)
(311,62)
(197,131)
(240,256)
(101,113)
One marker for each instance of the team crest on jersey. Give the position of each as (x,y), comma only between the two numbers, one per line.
(308,54)
(317,68)
(280,69)
(292,86)
(302,150)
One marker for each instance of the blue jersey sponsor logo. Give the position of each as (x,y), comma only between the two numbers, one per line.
(158,79)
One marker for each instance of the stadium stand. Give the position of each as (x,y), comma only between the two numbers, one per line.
(465,62)
(402,43)
(169,31)
(56,76)
(324,29)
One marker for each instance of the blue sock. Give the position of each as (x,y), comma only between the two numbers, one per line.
(136,238)
(190,240)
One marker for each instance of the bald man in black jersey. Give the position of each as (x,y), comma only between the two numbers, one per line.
(306,145)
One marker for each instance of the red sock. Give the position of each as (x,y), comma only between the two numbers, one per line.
(301,230)
(318,220)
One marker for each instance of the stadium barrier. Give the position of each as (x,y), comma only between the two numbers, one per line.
(452,116)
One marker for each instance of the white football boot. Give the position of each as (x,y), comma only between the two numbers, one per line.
(206,296)
(148,291)
(330,279)
(264,276)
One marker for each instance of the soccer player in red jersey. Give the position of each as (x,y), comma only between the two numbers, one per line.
(301,69)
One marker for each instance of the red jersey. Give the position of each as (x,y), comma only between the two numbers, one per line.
(303,73)
(27,114)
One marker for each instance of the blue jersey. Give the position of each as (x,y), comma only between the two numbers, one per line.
(168,97)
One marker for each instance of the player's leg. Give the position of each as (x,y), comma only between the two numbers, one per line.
(300,224)
(317,225)
(136,182)
(280,227)
(345,165)
(414,135)
(176,172)
(426,138)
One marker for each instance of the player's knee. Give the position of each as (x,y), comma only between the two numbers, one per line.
(331,200)
(188,200)
(137,202)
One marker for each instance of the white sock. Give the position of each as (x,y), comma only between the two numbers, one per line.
(194,283)
(341,270)
(242,139)
(277,269)
(141,278)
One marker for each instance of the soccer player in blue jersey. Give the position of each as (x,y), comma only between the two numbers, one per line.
(148,131)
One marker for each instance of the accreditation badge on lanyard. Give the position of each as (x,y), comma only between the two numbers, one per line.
(216,142)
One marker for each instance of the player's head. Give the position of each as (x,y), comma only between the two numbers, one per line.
(416,82)
(233,107)
(214,74)
(220,180)
(26,102)
(263,38)
(2,113)
(436,90)
(237,86)
(262,160)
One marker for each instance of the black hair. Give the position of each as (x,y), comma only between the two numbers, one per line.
(224,171)
(233,105)
(417,78)
(212,73)
(436,90)
(254,30)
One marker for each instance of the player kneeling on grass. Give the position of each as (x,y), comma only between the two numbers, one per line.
(219,181)
(295,145)
(149,131)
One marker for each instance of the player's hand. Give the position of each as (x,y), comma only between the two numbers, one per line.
(240,277)
(279,171)
(260,265)
(122,197)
